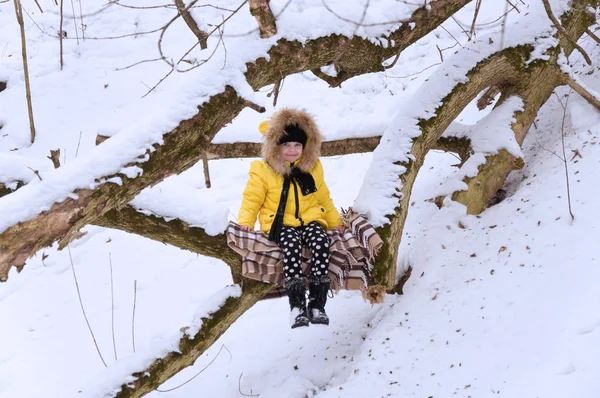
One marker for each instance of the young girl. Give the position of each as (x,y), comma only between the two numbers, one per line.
(288,193)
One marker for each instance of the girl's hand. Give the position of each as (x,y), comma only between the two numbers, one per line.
(246,228)
(340,229)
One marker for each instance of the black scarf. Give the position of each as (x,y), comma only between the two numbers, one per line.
(307,186)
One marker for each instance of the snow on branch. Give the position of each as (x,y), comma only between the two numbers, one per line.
(378,197)
(488,136)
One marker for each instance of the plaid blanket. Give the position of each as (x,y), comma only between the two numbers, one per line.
(349,266)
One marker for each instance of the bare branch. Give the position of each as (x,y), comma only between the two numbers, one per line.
(592,35)
(19,14)
(477,6)
(564,33)
(189,20)
(579,89)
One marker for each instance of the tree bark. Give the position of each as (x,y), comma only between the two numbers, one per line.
(261,10)
(183,146)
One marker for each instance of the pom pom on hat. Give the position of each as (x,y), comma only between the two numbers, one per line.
(263,127)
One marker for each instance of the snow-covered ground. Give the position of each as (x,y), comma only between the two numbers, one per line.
(505,305)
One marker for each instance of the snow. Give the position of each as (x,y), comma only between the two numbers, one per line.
(499,304)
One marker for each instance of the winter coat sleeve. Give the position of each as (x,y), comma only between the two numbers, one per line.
(254,195)
(332,216)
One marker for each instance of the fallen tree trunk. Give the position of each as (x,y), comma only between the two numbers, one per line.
(501,68)
(184,146)
(536,86)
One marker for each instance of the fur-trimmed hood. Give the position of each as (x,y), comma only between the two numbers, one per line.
(275,131)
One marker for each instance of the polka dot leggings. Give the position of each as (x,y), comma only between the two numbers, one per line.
(291,240)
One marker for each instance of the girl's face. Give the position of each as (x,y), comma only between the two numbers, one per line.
(290,151)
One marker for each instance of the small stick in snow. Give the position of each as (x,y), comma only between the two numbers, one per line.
(37,173)
(19,14)
(112,307)
(83,309)
(78,142)
(61,34)
(472,30)
(55,157)
(562,137)
(133,316)
(206,173)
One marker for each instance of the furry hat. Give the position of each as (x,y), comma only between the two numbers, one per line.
(291,120)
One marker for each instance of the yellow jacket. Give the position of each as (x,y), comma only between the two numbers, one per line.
(263,191)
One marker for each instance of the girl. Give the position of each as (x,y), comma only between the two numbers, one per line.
(288,193)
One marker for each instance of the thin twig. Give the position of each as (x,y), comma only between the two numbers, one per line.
(564,33)
(82,24)
(513,6)
(221,32)
(19,15)
(504,26)
(61,34)
(167,6)
(592,35)
(133,315)
(562,138)
(451,35)
(416,73)
(202,370)
(240,388)
(138,63)
(206,172)
(477,6)
(83,309)
(38,4)
(75,22)
(361,23)
(78,142)
(461,27)
(112,307)
(37,173)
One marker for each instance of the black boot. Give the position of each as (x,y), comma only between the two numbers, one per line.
(318,287)
(296,288)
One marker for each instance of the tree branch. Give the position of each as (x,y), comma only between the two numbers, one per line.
(189,20)
(564,33)
(462,146)
(260,10)
(579,89)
